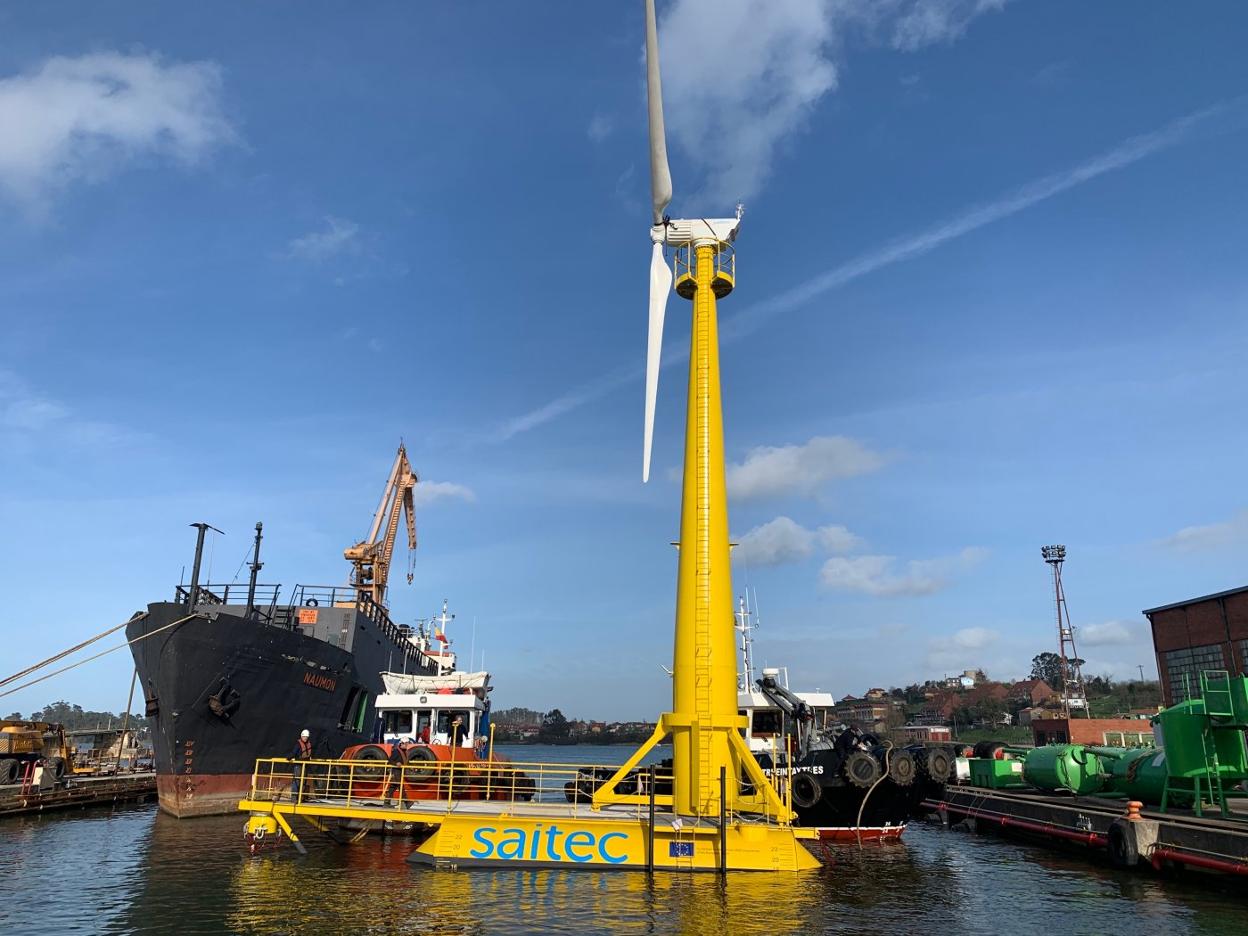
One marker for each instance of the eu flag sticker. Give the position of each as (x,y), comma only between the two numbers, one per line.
(680,849)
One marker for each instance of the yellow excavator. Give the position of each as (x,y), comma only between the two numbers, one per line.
(371,556)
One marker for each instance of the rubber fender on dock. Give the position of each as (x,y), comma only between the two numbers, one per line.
(1124,850)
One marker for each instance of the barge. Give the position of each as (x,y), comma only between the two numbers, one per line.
(23,799)
(1128,835)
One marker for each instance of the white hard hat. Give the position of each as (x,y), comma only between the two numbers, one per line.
(305,733)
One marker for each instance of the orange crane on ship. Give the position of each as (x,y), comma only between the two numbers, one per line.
(371,556)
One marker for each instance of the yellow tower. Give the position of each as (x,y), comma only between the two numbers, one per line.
(704,674)
(707,748)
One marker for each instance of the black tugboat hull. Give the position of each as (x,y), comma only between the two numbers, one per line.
(842,804)
(223,689)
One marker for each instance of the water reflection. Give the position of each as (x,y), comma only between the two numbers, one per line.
(374,887)
(135,871)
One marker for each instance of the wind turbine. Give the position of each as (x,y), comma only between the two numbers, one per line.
(717,233)
(703,723)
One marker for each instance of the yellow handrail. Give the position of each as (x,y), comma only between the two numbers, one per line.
(367,782)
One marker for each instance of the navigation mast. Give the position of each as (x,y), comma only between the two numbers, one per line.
(1073,694)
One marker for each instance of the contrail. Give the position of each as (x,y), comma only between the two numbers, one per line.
(1124,154)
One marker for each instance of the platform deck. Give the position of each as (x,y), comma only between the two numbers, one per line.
(79,792)
(475,833)
(1164,839)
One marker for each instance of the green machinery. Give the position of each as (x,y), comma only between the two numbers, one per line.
(1204,741)
(996,773)
(1200,756)
(1070,767)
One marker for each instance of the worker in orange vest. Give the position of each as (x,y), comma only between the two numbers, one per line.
(303,752)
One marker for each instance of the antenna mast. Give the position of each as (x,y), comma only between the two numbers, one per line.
(1073,694)
(745,679)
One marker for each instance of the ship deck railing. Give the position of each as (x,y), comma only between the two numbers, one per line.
(271,608)
(427,788)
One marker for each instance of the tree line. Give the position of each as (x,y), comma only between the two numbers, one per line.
(75,717)
(553,727)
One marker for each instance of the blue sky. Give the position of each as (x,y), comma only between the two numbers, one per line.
(991,295)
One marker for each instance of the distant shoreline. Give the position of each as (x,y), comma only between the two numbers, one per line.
(531,742)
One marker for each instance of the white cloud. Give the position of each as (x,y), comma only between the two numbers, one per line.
(883,576)
(337,236)
(739,82)
(784,540)
(778,541)
(1108,633)
(961,649)
(1210,535)
(81,119)
(926,22)
(904,248)
(600,127)
(838,540)
(772,471)
(426,492)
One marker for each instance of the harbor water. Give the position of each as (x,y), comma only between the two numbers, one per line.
(135,870)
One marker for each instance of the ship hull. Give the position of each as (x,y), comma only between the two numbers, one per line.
(223,689)
(189,796)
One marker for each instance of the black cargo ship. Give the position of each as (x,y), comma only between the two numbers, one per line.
(228,684)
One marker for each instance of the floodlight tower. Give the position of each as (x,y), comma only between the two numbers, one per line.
(1073,694)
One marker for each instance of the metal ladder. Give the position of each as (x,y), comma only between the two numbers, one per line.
(704,309)
(1217,702)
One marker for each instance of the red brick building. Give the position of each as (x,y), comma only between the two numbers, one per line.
(1031,691)
(911,733)
(1117,732)
(1199,634)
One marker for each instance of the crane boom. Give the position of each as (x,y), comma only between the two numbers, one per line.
(371,557)
(793,706)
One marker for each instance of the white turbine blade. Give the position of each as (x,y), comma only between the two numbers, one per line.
(660,288)
(660,174)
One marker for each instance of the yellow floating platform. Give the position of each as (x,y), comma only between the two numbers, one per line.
(471,833)
(608,840)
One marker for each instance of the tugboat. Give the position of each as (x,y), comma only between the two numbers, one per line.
(847,783)
(434,719)
(234,672)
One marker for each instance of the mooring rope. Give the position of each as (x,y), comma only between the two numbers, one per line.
(73,649)
(66,669)
(888,749)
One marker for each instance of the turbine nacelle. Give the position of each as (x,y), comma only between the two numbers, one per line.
(696,231)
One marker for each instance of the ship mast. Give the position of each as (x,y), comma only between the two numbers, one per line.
(370,558)
(745,627)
